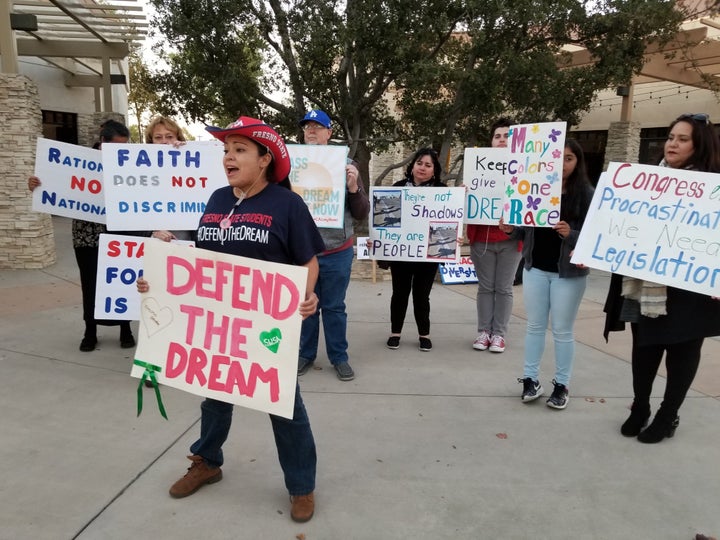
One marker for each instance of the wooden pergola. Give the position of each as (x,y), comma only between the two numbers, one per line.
(83,38)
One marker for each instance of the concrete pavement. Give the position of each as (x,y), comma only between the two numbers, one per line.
(419,446)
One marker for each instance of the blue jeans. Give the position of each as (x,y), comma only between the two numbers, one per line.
(547,295)
(331,287)
(293,439)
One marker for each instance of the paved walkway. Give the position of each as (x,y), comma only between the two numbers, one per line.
(419,446)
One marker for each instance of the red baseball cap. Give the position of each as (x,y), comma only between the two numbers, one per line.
(258,131)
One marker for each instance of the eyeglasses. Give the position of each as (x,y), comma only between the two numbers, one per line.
(312,126)
(699,117)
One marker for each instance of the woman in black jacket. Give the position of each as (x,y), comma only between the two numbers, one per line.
(666,320)
(424,170)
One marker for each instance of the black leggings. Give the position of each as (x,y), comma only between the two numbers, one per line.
(417,277)
(681,363)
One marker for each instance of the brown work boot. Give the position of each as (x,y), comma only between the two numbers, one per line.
(199,474)
(303,507)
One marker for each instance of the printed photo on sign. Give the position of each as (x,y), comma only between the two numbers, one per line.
(387,208)
(484,176)
(534,174)
(416,223)
(71,179)
(654,223)
(158,186)
(318,176)
(222,326)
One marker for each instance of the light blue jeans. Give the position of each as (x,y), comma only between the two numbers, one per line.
(548,296)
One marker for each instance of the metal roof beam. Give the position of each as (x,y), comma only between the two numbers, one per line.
(79,49)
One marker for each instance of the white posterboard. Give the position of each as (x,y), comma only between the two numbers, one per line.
(222,326)
(534,186)
(657,224)
(484,172)
(158,186)
(416,223)
(318,176)
(71,179)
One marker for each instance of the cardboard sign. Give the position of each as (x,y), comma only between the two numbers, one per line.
(361,248)
(461,272)
(157,186)
(416,223)
(534,185)
(222,326)
(655,223)
(71,179)
(120,263)
(318,176)
(484,176)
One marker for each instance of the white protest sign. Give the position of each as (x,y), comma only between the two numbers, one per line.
(460,272)
(222,326)
(484,175)
(657,224)
(158,186)
(318,176)
(361,248)
(120,263)
(534,186)
(416,223)
(71,179)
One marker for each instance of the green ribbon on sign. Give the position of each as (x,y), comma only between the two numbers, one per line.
(149,373)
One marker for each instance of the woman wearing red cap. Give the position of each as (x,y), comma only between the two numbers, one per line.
(258,216)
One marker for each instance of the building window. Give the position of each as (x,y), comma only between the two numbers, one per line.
(652,143)
(593,144)
(60,126)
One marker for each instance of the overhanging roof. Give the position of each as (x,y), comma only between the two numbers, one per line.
(83,38)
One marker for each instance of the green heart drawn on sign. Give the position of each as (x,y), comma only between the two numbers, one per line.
(271,339)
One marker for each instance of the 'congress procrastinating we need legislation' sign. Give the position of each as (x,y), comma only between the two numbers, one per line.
(655,223)
(318,176)
(71,179)
(158,186)
(416,223)
(222,326)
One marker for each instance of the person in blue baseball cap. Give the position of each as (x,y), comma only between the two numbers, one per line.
(335,264)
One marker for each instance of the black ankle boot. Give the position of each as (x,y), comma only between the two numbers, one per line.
(661,427)
(638,419)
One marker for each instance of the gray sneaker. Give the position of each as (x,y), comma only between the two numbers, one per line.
(344,371)
(304,365)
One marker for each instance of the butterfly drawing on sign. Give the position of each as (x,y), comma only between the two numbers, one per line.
(513,180)
(554,133)
(532,202)
(556,153)
(552,178)
(509,191)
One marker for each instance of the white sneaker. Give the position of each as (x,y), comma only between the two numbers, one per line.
(482,342)
(497,344)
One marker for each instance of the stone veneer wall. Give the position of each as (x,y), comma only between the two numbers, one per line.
(26,237)
(623,143)
(89,126)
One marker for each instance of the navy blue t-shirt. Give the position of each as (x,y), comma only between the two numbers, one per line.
(273,225)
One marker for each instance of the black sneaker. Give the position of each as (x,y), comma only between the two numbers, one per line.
(531,389)
(393,342)
(304,365)
(344,371)
(559,398)
(425,344)
(88,344)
